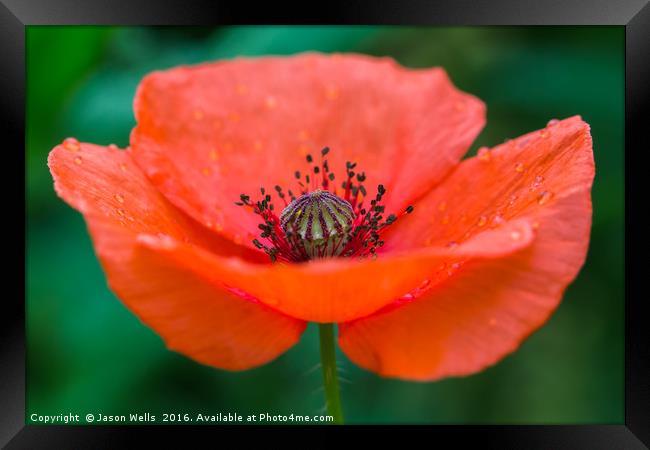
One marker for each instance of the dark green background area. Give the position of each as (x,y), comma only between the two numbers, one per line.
(88,353)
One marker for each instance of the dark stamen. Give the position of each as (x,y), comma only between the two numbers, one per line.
(361,237)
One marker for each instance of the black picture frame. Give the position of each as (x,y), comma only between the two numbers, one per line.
(633,15)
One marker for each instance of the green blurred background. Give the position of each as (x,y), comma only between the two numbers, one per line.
(88,353)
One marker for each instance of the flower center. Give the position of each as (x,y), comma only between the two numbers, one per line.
(319,223)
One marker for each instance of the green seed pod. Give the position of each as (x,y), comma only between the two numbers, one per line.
(320,222)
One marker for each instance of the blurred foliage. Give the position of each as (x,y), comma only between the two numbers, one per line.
(88,353)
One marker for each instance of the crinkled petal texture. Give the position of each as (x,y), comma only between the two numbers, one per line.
(330,291)
(479,265)
(492,300)
(195,315)
(142,240)
(206,134)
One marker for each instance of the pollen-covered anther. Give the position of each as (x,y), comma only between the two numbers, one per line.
(319,223)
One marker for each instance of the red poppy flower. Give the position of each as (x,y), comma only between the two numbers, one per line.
(184,233)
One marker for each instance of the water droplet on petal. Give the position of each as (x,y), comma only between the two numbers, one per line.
(78,160)
(519,167)
(544,197)
(482,221)
(515,235)
(122,167)
(544,133)
(71,144)
(112,147)
(537,182)
(498,220)
(552,122)
(453,268)
(332,92)
(270,102)
(119,198)
(452,244)
(484,154)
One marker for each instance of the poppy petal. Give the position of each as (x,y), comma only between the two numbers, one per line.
(498,185)
(340,289)
(200,319)
(206,134)
(489,306)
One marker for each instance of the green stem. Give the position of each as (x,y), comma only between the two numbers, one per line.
(330,377)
